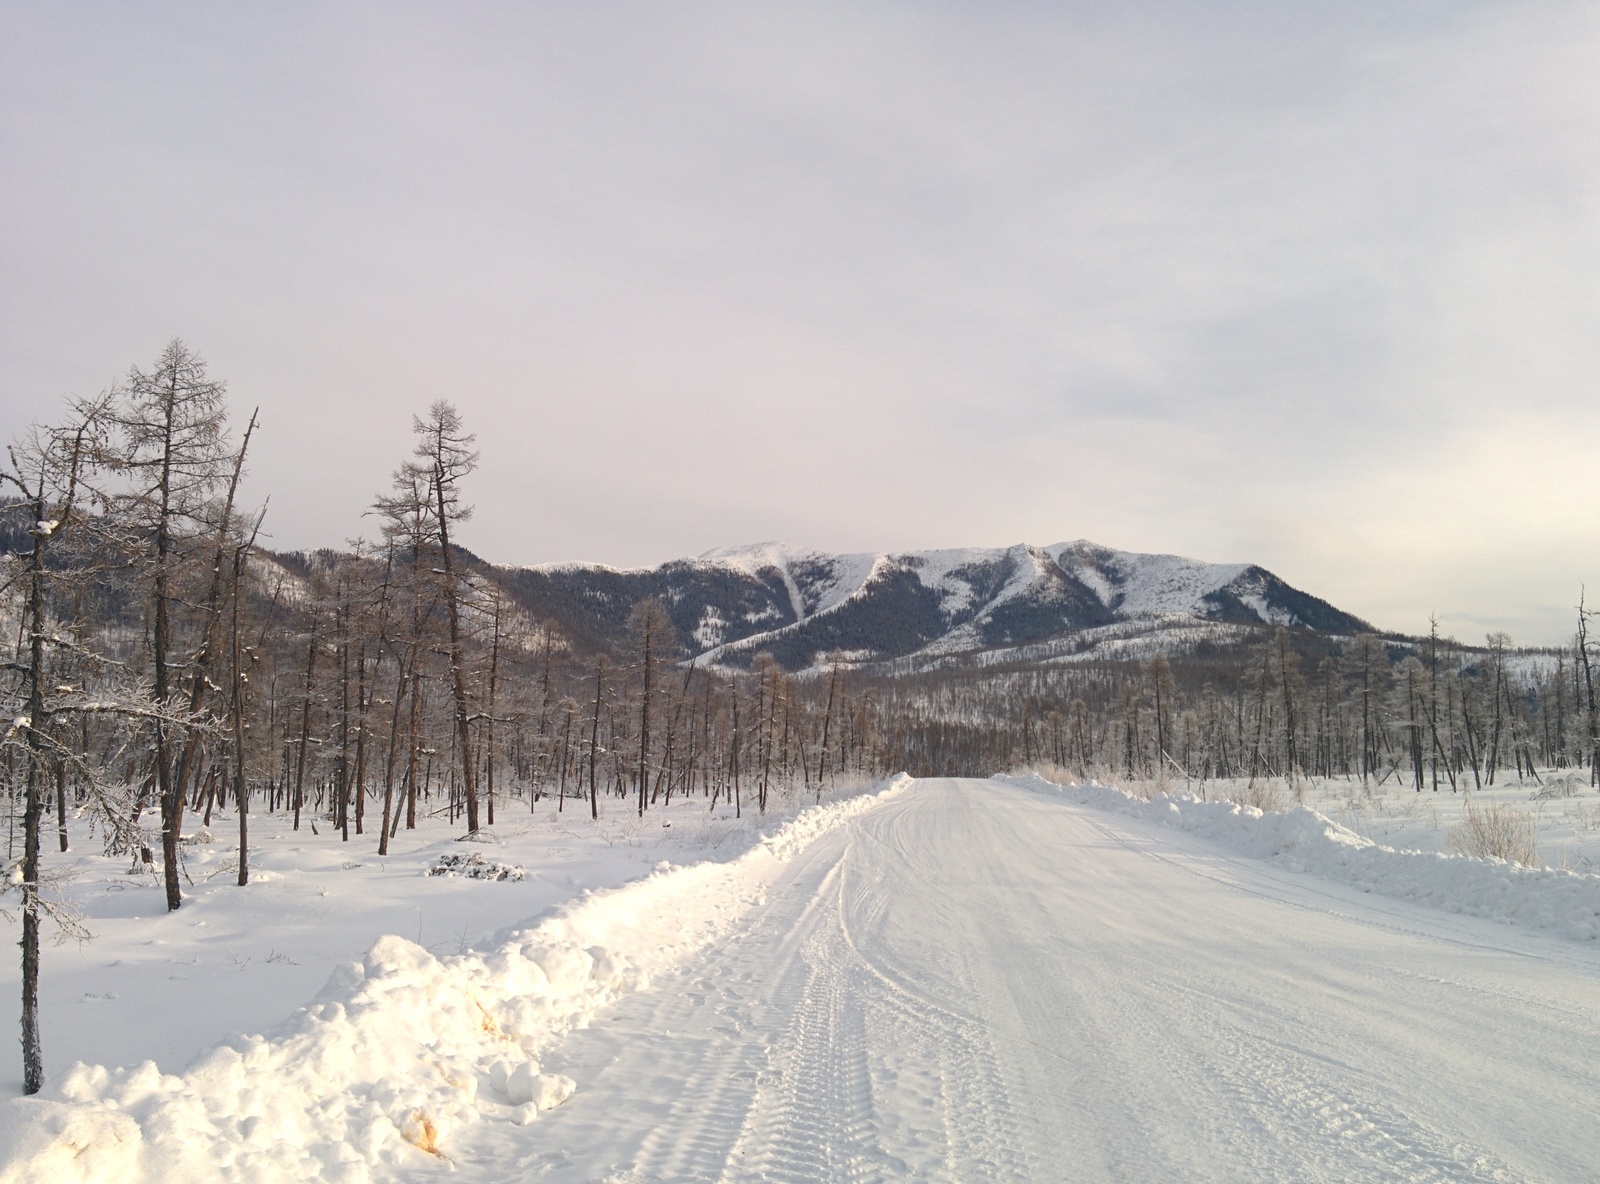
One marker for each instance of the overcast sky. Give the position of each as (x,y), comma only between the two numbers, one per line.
(1315,286)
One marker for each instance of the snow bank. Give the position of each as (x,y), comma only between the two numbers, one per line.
(399,1050)
(1302,840)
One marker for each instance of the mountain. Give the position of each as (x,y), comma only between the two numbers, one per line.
(922,607)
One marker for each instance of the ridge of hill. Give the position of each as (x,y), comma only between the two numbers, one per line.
(917,607)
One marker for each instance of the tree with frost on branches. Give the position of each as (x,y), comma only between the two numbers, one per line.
(180,480)
(444,450)
(57,681)
(405,514)
(651,633)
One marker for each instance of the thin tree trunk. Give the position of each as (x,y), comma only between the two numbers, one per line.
(33,810)
(305,722)
(458,685)
(241,783)
(61,803)
(594,739)
(360,788)
(488,723)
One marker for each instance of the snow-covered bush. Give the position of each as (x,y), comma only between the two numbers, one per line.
(1562,785)
(474,866)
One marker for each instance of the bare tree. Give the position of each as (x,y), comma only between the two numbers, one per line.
(1589,690)
(47,477)
(827,719)
(406,514)
(47,691)
(173,422)
(236,701)
(445,447)
(1371,670)
(594,734)
(651,630)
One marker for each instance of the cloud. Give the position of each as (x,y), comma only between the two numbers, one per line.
(1204,278)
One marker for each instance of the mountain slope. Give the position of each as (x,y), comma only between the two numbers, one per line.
(801,605)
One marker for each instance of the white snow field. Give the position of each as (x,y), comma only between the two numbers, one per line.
(954,980)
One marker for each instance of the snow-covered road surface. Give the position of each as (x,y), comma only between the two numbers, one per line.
(973,982)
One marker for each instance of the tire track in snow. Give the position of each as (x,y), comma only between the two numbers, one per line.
(982,1137)
(1316,1116)
(1320,1116)
(973,983)
(813,1118)
(707,1134)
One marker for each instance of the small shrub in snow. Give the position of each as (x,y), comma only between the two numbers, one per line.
(474,866)
(1496,831)
(1265,795)
(1564,785)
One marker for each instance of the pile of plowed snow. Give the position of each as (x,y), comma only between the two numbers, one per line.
(1302,840)
(399,1050)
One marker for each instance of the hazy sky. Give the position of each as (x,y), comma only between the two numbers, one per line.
(1315,286)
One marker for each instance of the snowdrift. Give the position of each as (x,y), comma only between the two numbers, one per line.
(399,1050)
(1302,840)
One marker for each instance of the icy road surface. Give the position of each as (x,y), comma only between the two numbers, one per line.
(973,982)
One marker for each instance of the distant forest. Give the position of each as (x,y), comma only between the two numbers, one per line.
(162,669)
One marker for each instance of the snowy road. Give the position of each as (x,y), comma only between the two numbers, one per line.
(973,982)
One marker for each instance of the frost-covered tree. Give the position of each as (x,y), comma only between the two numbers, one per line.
(406,514)
(651,633)
(444,447)
(175,457)
(57,680)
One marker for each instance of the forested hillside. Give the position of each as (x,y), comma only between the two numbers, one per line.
(919,607)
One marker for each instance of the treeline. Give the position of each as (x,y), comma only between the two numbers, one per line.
(1431,713)
(354,719)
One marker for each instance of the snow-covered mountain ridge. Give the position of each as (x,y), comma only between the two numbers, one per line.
(800,604)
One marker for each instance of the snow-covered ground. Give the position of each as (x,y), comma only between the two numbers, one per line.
(165,987)
(955,980)
(1560,808)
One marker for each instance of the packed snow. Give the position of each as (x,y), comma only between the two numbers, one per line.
(389,1055)
(402,1047)
(1010,979)
(974,981)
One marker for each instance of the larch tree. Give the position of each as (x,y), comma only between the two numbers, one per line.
(46,475)
(176,460)
(55,681)
(445,449)
(1582,648)
(406,516)
(651,630)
